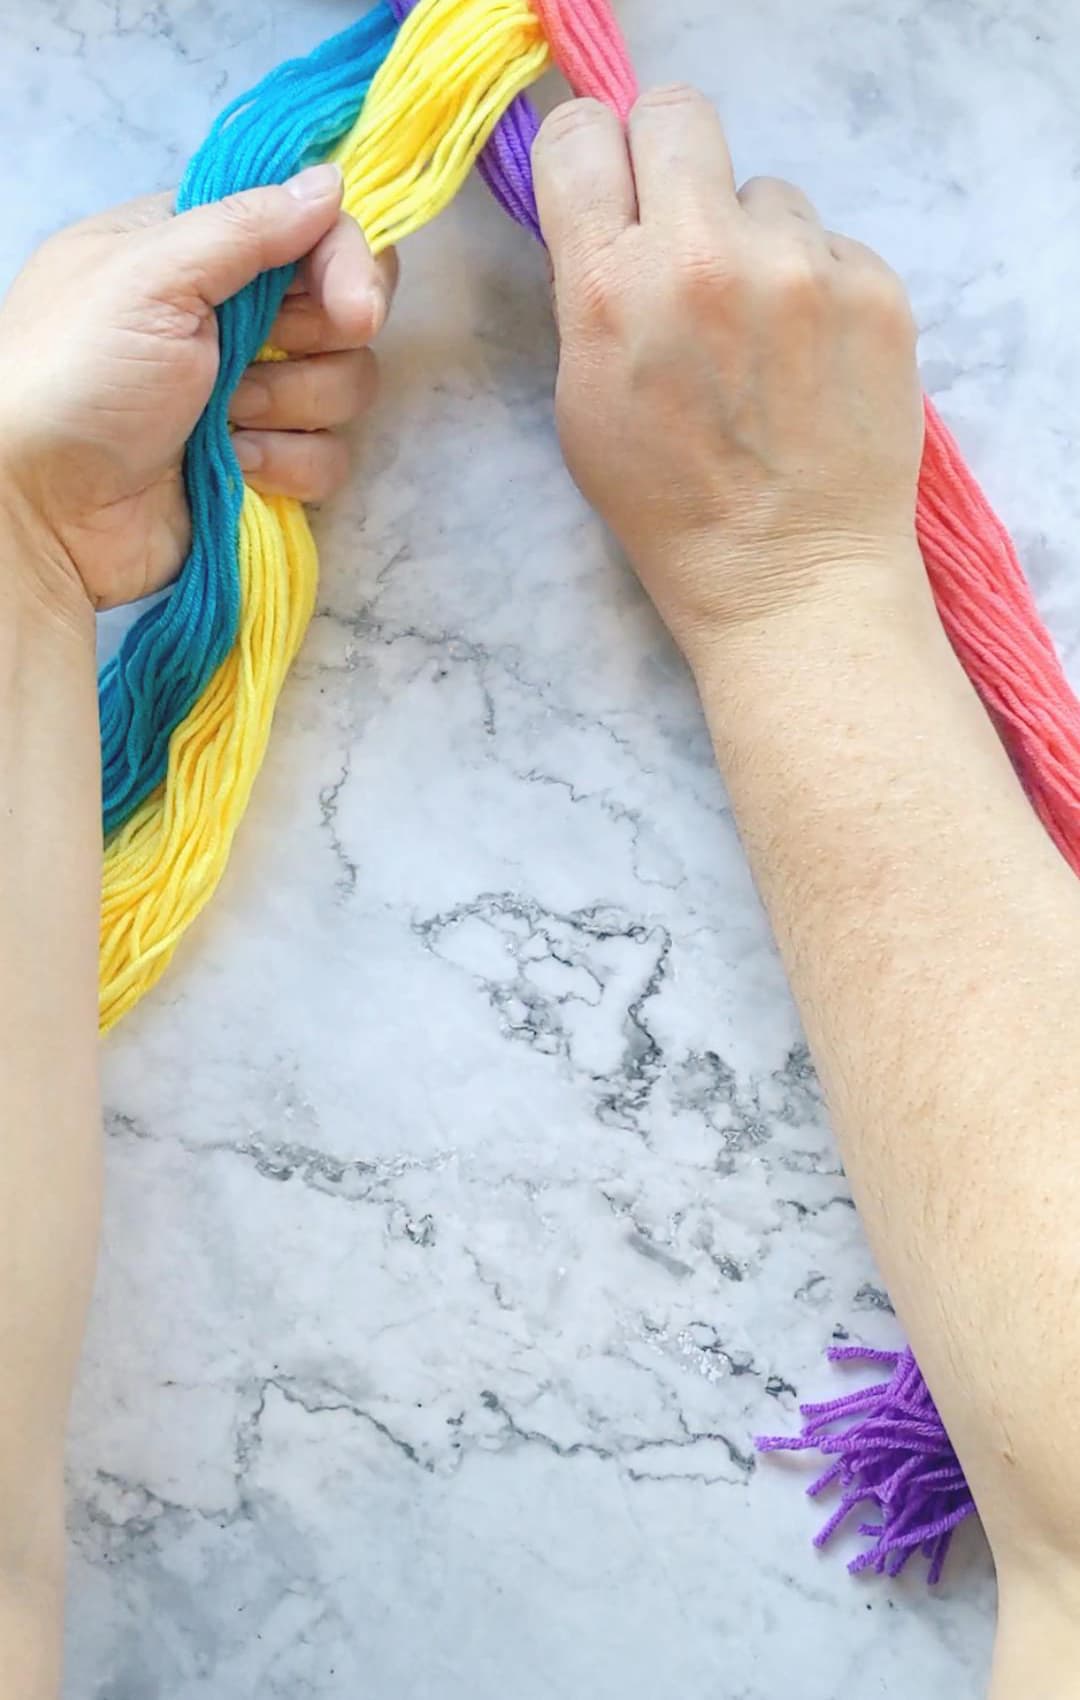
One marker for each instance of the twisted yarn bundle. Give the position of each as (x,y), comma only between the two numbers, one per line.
(404,101)
(407,101)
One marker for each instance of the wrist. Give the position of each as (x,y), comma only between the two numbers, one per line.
(857,607)
(38,579)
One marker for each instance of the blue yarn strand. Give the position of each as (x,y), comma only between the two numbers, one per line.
(292,119)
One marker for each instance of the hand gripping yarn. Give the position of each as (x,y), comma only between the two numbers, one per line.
(186,706)
(407,100)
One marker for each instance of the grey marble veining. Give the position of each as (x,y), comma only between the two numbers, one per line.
(470,1201)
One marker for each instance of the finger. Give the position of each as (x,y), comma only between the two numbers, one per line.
(217,249)
(319,394)
(304,327)
(584,185)
(309,466)
(352,288)
(682,162)
(769,200)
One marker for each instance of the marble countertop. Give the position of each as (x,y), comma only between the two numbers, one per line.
(470,1202)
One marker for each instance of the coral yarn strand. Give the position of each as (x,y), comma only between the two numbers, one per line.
(588,47)
(989,614)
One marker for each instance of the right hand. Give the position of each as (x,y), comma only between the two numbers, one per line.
(738,394)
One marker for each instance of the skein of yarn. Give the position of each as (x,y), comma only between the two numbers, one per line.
(407,100)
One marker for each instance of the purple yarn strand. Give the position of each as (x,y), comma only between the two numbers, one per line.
(505,162)
(893,1453)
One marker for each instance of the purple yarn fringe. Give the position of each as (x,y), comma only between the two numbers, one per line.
(892,1452)
(505,163)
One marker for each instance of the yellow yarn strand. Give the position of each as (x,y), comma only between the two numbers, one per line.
(454,68)
(163,866)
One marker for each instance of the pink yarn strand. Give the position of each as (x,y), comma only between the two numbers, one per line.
(588,47)
(989,614)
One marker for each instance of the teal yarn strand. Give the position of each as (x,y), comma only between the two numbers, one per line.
(292,119)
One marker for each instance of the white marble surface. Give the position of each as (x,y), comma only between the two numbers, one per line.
(470,1204)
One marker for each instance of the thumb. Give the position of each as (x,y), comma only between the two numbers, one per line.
(218,249)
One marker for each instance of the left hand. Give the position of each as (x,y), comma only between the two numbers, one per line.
(109,353)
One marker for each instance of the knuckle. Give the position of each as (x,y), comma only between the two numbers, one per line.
(881,294)
(299,328)
(599,292)
(155,315)
(238,211)
(322,393)
(704,274)
(755,187)
(344,390)
(325,466)
(799,276)
(569,121)
(670,96)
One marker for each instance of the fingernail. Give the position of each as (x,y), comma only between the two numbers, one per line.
(317,183)
(248,451)
(251,400)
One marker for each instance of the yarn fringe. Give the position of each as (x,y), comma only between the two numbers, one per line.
(888,1448)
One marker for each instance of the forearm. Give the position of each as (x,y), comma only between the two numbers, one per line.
(50,1182)
(932,938)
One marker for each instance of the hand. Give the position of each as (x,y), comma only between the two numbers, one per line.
(109,353)
(737,391)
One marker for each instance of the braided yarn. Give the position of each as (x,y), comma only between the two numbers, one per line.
(405,102)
